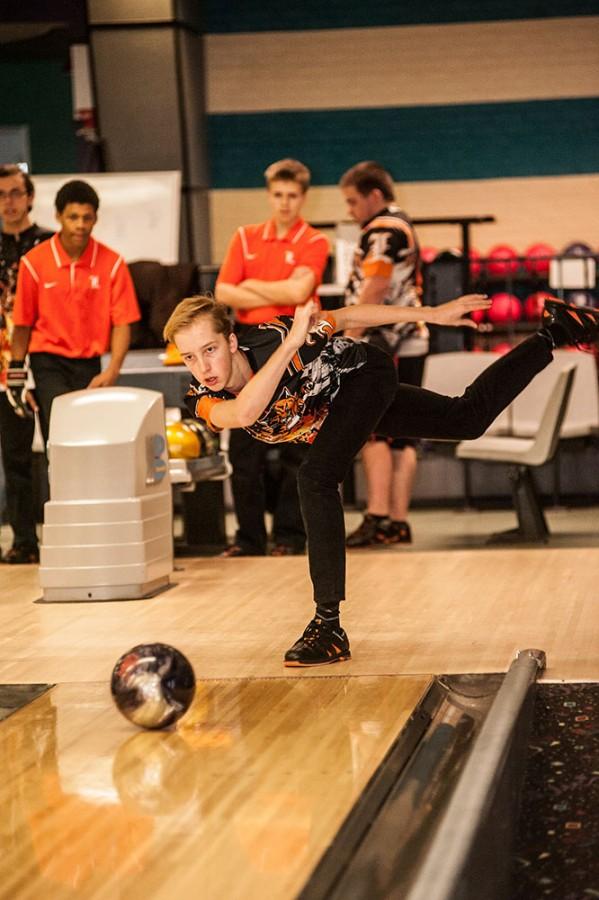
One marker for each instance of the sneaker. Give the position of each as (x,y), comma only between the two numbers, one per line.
(579,324)
(371,531)
(397,532)
(21,556)
(319,645)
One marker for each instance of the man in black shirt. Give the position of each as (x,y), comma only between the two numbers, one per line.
(294,380)
(18,236)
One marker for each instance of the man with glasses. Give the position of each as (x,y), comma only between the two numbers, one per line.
(19,235)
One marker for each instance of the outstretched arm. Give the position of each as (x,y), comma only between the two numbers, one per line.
(373,290)
(253,399)
(453,313)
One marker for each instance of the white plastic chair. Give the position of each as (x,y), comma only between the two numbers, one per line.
(523,454)
(582,415)
(451,373)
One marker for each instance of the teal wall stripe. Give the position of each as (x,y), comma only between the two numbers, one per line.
(38,93)
(423,143)
(271,15)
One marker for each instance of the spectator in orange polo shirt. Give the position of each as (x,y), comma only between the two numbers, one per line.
(269,270)
(75,300)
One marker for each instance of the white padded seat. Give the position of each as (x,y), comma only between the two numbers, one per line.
(582,414)
(451,373)
(524,453)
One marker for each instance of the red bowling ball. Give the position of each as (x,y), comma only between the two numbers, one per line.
(505,309)
(477,315)
(503,260)
(533,305)
(538,258)
(428,254)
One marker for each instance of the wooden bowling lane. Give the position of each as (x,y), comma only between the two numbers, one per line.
(238,801)
(406,614)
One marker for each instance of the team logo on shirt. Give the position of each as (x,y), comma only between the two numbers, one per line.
(289,257)
(94,281)
(322,329)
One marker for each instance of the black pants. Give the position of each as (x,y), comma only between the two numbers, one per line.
(16,436)
(249,462)
(55,375)
(410,370)
(370,400)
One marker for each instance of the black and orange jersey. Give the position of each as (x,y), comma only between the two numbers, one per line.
(304,394)
(12,248)
(388,247)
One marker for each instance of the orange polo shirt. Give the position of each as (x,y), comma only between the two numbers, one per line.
(255,251)
(70,305)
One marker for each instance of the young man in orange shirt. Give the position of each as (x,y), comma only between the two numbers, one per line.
(75,300)
(269,270)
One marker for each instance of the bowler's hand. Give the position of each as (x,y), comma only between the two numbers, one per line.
(456,311)
(303,320)
(16,391)
(107,378)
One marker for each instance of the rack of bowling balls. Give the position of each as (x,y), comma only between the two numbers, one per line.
(517,283)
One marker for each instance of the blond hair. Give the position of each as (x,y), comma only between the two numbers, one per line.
(190,309)
(288,170)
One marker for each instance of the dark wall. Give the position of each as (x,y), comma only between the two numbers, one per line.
(38,93)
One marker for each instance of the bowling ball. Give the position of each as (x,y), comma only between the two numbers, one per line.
(209,442)
(477,315)
(153,685)
(505,308)
(536,261)
(533,305)
(502,260)
(183,442)
(577,248)
(428,254)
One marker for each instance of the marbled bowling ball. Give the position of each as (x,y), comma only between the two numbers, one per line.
(153,685)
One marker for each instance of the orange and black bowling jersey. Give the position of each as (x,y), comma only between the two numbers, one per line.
(388,247)
(304,394)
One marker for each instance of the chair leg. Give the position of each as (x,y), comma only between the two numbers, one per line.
(532,525)
(531,518)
